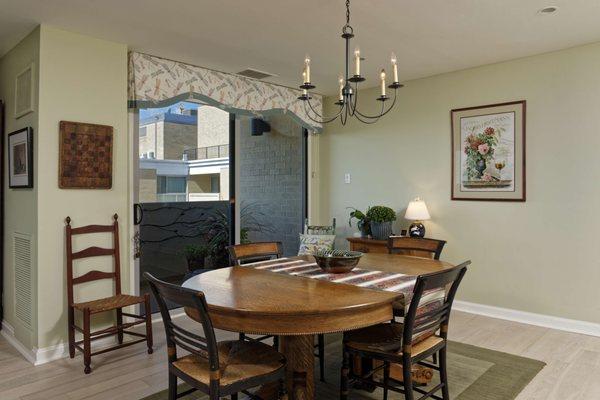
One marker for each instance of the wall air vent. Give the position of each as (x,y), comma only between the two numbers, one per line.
(23,278)
(255,74)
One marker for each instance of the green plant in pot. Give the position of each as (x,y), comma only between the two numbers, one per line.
(195,256)
(381,219)
(362,221)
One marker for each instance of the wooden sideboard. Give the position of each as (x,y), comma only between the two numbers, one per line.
(366,245)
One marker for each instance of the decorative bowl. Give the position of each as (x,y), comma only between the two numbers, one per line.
(337,261)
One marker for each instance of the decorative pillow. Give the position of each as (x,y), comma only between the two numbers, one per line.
(311,243)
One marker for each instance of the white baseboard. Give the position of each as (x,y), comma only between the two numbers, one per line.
(39,356)
(546,321)
(8,332)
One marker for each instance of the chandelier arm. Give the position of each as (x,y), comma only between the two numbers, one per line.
(382,108)
(322,119)
(372,120)
(322,116)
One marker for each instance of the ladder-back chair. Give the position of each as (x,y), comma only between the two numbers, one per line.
(413,246)
(422,335)
(115,302)
(218,369)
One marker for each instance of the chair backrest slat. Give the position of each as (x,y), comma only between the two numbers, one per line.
(92,251)
(258,251)
(93,276)
(319,229)
(438,317)
(202,346)
(416,246)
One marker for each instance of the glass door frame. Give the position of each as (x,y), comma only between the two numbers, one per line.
(234,132)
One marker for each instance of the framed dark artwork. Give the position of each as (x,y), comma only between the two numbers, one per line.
(85,156)
(20,159)
(488,152)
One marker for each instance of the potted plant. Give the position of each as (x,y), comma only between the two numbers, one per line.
(195,256)
(362,221)
(381,218)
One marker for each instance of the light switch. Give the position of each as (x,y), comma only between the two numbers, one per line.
(347,178)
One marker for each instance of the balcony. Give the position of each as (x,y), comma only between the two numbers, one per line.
(206,153)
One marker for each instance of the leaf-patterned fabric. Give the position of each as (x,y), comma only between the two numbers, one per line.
(157,82)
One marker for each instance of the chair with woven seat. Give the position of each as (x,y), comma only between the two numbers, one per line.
(320,346)
(240,254)
(218,369)
(423,334)
(415,246)
(112,303)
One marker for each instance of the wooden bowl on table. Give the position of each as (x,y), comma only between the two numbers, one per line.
(337,261)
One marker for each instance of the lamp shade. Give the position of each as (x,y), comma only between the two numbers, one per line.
(417,211)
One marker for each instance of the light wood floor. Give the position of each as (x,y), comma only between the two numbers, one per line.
(572,371)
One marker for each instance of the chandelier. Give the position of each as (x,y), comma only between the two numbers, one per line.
(348,86)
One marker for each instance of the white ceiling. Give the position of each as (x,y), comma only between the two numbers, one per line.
(429,36)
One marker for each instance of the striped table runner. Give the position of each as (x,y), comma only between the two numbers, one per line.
(371,279)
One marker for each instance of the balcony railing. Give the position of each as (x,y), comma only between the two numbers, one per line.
(205,153)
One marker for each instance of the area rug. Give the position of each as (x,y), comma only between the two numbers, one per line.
(474,373)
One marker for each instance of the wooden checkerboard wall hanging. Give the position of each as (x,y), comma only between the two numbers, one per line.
(85,156)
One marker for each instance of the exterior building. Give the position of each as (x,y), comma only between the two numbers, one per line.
(184,155)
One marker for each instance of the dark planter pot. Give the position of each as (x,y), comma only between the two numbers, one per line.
(195,264)
(381,230)
(365,229)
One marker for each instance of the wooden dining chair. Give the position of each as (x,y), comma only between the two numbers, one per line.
(240,254)
(423,333)
(259,251)
(320,346)
(413,246)
(217,369)
(116,302)
(319,229)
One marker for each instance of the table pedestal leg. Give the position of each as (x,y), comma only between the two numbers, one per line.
(299,352)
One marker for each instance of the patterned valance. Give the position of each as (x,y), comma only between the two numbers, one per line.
(157,82)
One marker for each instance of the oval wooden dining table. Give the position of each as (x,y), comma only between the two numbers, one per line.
(244,299)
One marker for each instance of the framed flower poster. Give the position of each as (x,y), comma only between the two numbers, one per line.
(20,159)
(488,152)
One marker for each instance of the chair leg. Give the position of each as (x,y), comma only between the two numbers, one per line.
(408,383)
(276,342)
(172,386)
(321,339)
(148,310)
(71,330)
(344,375)
(282,390)
(386,379)
(119,325)
(242,336)
(444,374)
(87,345)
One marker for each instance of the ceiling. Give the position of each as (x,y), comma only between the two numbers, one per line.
(428,36)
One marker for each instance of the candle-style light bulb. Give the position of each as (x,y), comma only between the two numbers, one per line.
(304,75)
(341,81)
(383,82)
(395,67)
(307,69)
(357,62)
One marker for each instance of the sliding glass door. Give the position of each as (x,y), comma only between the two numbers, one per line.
(208,178)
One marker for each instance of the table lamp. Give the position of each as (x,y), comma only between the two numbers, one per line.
(417,212)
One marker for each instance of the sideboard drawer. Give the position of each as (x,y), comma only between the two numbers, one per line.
(365,245)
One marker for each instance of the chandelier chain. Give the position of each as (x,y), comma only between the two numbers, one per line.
(347,12)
